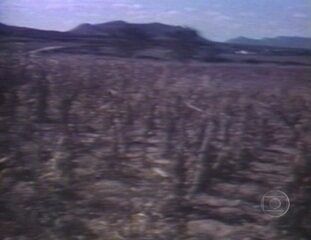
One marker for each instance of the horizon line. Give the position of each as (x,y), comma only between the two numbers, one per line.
(238,36)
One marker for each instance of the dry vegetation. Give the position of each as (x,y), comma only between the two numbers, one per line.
(110,149)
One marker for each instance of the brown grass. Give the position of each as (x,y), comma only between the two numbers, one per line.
(121,149)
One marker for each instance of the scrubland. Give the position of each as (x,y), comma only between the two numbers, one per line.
(110,149)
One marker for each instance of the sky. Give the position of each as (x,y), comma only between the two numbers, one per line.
(214,19)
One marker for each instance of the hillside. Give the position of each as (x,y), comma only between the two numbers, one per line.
(122,39)
(155,41)
(119,27)
(14,31)
(109,29)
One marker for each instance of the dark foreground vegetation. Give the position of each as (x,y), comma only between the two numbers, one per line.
(94,148)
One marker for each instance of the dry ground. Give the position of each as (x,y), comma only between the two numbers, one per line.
(107,149)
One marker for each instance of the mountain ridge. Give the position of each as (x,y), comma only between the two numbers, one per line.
(119,38)
(152,30)
(109,29)
(122,28)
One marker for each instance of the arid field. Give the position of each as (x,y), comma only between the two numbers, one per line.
(103,148)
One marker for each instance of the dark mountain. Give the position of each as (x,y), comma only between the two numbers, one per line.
(124,29)
(113,29)
(282,41)
(155,41)
(118,28)
(126,39)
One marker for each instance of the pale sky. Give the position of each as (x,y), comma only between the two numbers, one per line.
(215,19)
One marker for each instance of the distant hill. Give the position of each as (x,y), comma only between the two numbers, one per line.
(282,41)
(116,27)
(143,30)
(120,38)
(7,30)
(113,29)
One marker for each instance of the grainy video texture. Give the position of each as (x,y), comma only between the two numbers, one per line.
(151,132)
